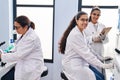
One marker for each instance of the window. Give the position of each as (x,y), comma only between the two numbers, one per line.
(41,13)
(101,2)
(36,2)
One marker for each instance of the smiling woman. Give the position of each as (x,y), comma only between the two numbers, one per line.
(77,54)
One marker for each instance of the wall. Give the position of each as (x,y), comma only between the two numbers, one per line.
(64,11)
(4,22)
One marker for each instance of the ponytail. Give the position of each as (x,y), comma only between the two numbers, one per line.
(63,40)
(32,25)
(62,43)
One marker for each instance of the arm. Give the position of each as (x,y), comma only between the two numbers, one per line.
(82,49)
(25,47)
(97,39)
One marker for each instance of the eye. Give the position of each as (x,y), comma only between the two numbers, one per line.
(96,14)
(83,20)
(17,27)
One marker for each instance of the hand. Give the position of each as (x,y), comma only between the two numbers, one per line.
(1,51)
(108,66)
(96,39)
(102,36)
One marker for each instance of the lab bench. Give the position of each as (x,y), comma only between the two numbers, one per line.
(117,67)
(114,74)
(5,69)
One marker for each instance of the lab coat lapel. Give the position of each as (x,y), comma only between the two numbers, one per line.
(22,37)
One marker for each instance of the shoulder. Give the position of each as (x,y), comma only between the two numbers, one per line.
(101,24)
(75,33)
(90,25)
(31,36)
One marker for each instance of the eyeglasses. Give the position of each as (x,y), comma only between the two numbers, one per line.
(17,27)
(83,20)
(96,14)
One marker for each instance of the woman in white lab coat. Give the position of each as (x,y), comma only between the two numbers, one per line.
(77,55)
(93,30)
(28,54)
(94,36)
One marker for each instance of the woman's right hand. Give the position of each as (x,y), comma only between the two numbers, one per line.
(96,39)
(102,36)
(107,66)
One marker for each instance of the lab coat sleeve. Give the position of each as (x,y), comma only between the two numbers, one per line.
(23,50)
(84,52)
(89,39)
(98,56)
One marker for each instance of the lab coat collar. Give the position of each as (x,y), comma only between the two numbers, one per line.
(28,31)
(82,33)
(96,24)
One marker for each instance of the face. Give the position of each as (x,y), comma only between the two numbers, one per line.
(95,16)
(82,22)
(19,29)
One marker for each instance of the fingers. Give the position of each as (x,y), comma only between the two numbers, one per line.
(108,66)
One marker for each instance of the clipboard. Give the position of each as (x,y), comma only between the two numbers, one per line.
(105,30)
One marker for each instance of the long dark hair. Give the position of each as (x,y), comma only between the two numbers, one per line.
(23,21)
(93,9)
(62,43)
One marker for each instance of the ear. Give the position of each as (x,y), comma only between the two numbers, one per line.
(90,14)
(76,21)
(26,26)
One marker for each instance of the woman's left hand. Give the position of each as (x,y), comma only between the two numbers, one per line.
(102,36)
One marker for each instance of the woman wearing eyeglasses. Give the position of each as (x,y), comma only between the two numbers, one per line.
(28,54)
(76,54)
(96,40)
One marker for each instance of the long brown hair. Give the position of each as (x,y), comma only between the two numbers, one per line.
(62,43)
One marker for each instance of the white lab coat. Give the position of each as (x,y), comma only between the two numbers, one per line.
(77,57)
(28,57)
(90,31)
(97,48)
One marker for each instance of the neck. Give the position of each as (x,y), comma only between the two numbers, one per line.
(81,30)
(94,22)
